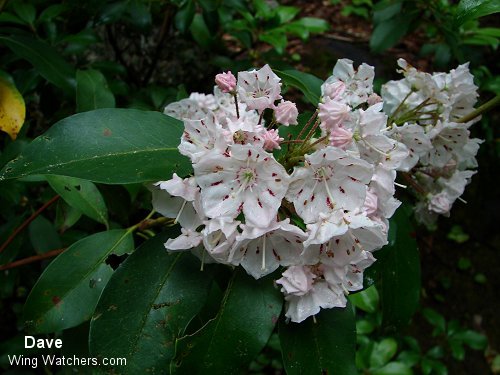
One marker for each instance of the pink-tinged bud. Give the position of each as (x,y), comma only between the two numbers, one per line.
(374,99)
(334,90)
(371,203)
(286,113)
(226,82)
(439,203)
(272,140)
(297,280)
(333,113)
(340,137)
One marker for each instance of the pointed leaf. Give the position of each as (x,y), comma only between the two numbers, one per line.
(46,60)
(92,91)
(114,146)
(472,9)
(81,194)
(309,84)
(326,345)
(148,302)
(241,329)
(67,292)
(12,108)
(397,273)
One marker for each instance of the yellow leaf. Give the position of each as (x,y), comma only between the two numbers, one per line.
(12,109)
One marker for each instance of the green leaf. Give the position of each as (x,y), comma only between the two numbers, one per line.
(286,13)
(46,60)
(184,16)
(383,352)
(66,216)
(43,235)
(434,318)
(276,38)
(457,349)
(324,345)
(473,9)
(309,84)
(92,91)
(313,24)
(388,33)
(397,273)
(67,292)
(82,195)
(199,31)
(241,329)
(394,368)
(25,11)
(385,10)
(146,305)
(366,300)
(114,146)
(473,339)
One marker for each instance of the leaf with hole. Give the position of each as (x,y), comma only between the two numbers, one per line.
(66,293)
(82,195)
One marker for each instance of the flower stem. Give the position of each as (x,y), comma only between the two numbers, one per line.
(236,104)
(488,106)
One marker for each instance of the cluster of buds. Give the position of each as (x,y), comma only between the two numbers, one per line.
(315,206)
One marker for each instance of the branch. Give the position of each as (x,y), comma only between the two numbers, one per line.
(27,222)
(163,34)
(32,259)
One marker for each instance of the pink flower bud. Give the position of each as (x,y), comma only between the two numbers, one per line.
(332,113)
(271,140)
(374,99)
(340,137)
(286,113)
(296,280)
(439,203)
(334,90)
(226,82)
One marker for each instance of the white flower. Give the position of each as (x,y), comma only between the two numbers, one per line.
(341,237)
(447,140)
(219,236)
(358,84)
(329,180)
(260,251)
(416,140)
(187,213)
(243,179)
(300,306)
(185,109)
(200,136)
(206,102)
(188,239)
(186,188)
(259,89)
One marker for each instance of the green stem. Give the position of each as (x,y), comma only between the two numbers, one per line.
(488,106)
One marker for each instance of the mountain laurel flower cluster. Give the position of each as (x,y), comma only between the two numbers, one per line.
(315,206)
(425,114)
